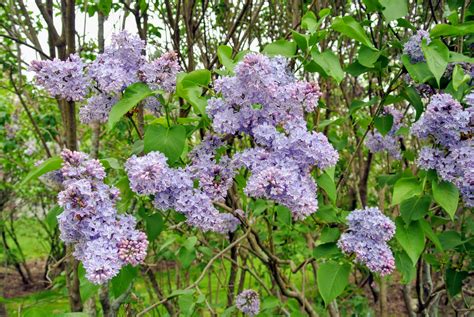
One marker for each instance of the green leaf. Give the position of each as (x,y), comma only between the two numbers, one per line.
(332,280)
(169,141)
(309,22)
(189,87)
(367,57)
(419,71)
(447,196)
(327,183)
(326,250)
(459,77)
(414,208)
(411,238)
(122,281)
(329,234)
(154,225)
(52,216)
(452,30)
(405,188)
(394,9)
(51,164)
(454,281)
(329,62)
(384,123)
(105,6)
(450,240)
(280,47)
(372,5)
(301,40)
(283,215)
(430,234)
(224,53)
(437,57)
(405,266)
(131,97)
(110,163)
(186,256)
(414,98)
(351,28)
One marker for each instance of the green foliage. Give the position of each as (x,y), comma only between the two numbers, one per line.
(332,280)
(51,164)
(351,28)
(447,196)
(168,140)
(411,238)
(131,97)
(437,57)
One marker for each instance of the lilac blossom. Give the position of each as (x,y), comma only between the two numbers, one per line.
(63,79)
(265,101)
(103,240)
(424,90)
(376,142)
(444,119)
(174,189)
(214,174)
(413,46)
(97,108)
(367,236)
(161,73)
(248,302)
(118,66)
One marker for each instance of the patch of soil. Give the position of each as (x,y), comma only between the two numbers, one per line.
(12,284)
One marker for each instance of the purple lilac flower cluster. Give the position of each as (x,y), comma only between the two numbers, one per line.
(367,236)
(376,142)
(424,90)
(214,174)
(104,241)
(118,66)
(121,64)
(64,79)
(174,189)
(97,108)
(450,127)
(413,46)
(265,101)
(161,73)
(248,302)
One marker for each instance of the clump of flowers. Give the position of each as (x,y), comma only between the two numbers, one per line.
(161,73)
(367,236)
(97,108)
(63,79)
(104,241)
(248,302)
(174,189)
(376,142)
(413,46)
(449,127)
(266,102)
(120,65)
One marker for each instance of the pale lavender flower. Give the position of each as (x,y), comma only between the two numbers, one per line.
(248,302)
(367,236)
(97,108)
(413,46)
(161,73)
(63,79)
(118,66)
(444,119)
(174,189)
(103,240)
